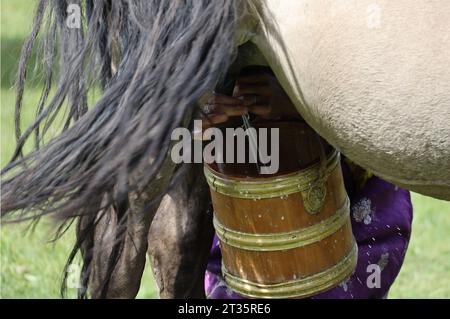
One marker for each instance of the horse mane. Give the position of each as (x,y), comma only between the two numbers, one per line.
(152,61)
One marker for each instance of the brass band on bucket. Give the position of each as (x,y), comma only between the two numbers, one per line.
(310,182)
(270,187)
(298,288)
(288,240)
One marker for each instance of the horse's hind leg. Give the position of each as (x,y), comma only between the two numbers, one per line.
(181,235)
(125,280)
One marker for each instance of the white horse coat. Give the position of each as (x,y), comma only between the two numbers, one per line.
(372,77)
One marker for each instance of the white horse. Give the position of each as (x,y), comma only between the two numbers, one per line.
(371,76)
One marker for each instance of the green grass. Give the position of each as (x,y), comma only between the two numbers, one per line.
(31,266)
(426,271)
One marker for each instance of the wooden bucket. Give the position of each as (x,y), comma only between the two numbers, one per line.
(287,235)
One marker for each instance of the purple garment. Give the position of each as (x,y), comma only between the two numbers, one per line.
(381,216)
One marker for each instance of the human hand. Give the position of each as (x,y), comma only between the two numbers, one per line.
(260,94)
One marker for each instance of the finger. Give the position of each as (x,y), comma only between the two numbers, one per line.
(248,89)
(213,119)
(224,99)
(232,110)
(252,99)
(263,110)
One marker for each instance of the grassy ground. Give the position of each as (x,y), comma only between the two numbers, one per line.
(31,266)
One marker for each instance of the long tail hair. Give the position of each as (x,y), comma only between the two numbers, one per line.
(151,60)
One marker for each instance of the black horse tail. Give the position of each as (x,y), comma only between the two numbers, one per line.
(151,60)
